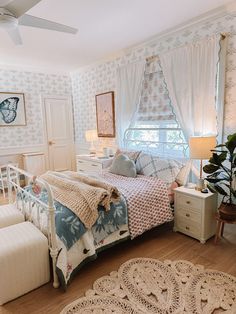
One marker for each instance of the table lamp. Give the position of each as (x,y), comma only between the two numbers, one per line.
(200,148)
(91,136)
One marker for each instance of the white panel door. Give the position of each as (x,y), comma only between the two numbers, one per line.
(59,125)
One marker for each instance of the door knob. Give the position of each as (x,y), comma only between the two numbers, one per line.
(51,143)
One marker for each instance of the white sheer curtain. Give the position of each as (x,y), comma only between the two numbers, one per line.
(190,73)
(129,82)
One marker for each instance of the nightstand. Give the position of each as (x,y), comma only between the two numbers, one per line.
(195,213)
(92,164)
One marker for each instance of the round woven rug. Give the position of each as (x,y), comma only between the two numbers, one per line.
(145,285)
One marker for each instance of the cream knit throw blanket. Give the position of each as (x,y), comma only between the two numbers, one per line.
(81,194)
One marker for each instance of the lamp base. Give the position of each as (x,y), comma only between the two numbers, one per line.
(200,185)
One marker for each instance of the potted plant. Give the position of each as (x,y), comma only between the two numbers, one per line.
(221,172)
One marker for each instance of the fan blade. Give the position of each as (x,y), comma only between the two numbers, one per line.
(19,7)
(15,35)
(28,20)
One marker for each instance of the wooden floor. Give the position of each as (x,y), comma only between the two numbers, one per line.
(158,243)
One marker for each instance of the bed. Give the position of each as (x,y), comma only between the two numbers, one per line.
(143,204)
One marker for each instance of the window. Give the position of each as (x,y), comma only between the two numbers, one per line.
(155,128)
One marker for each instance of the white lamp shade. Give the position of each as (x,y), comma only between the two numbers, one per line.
(200,147)
(91,135)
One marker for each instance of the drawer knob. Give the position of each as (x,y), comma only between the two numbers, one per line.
(187,215)
(187,228)
(81,170)
(188,202)
(94,165)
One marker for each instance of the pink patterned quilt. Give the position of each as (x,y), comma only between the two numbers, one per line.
(147,200)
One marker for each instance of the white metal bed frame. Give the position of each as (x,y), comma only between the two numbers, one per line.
(48,208)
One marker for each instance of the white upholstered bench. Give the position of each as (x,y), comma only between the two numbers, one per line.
(24,260)
(10,215)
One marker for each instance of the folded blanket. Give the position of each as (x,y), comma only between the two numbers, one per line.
(81,194)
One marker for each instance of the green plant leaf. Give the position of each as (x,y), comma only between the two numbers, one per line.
(211,188)
(221,174)
(218,159)
(233,159)
(231,143)
(233,192)
(220,145)
(219,151)
(227,185)
(220,190)
(212,180)
(210,168)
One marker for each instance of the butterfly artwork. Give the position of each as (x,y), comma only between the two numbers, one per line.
(12,109)
(8,109)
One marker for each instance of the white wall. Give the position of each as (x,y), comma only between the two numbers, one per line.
(98,78)
(17,140)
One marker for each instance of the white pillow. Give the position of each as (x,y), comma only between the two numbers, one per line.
(182,177)
(154,166)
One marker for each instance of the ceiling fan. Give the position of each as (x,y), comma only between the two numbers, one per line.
(12,14)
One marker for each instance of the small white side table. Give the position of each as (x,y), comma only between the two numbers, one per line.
(92,164)
(195,213)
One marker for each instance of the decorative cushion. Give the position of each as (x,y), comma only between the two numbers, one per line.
(154,166)
(132,154)
(182,177)
(123,166)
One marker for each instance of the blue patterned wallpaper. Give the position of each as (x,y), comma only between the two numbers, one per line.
(33,85)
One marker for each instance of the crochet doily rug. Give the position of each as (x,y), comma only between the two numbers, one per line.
(145,285)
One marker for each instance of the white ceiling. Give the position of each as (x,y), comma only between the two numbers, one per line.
(105,27)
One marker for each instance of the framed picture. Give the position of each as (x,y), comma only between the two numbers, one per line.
(12,109)
(105,109)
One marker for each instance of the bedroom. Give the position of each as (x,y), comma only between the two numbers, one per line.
(53,70)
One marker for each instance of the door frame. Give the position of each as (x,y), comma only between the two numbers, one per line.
(68,98)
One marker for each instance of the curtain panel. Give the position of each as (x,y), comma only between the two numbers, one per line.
(190,73)
(129,86)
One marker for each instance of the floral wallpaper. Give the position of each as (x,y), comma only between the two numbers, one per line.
(88,82)
(33,85)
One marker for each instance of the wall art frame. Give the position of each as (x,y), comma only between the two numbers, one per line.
(105,113)
(12,109)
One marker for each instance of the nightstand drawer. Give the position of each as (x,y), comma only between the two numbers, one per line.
(185,201)
(187,226)
(88,166)
(189,215)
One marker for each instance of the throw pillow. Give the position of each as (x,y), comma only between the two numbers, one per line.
(132,154)
(123,166)
(182,177)
(154,166)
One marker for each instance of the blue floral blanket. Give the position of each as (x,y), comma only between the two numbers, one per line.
(70,229)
